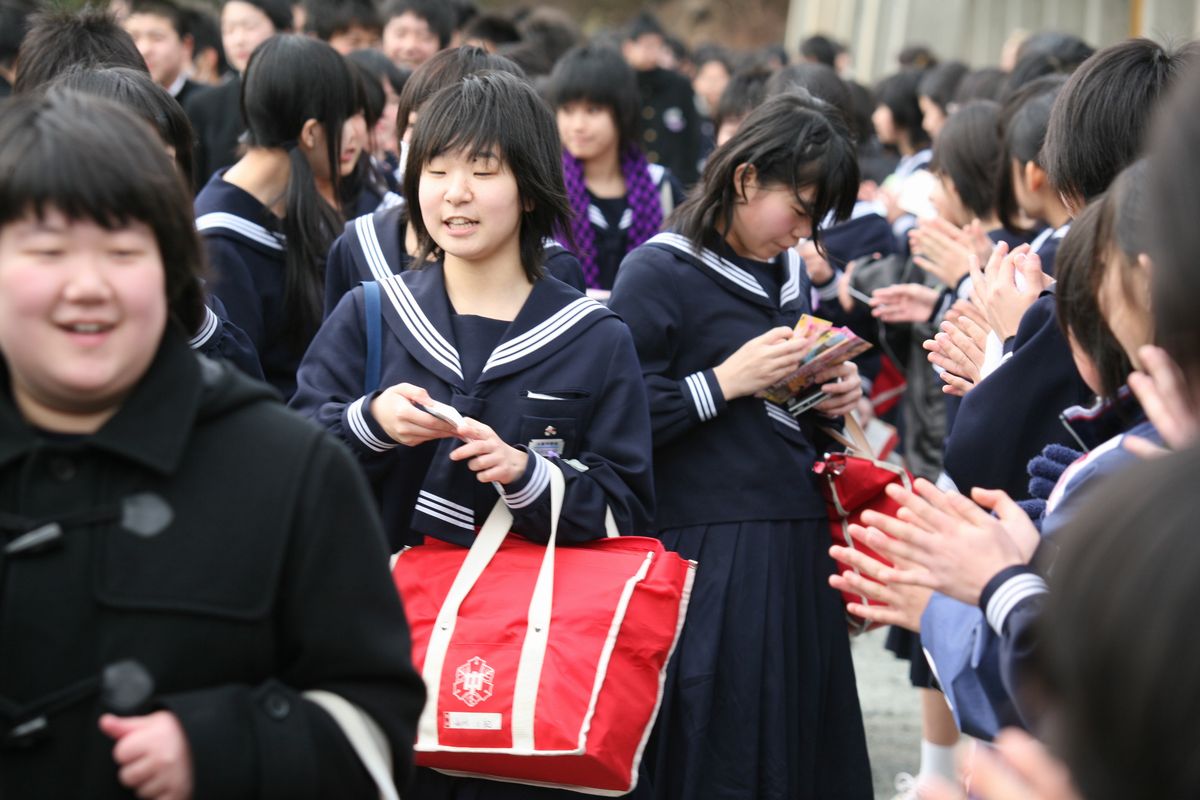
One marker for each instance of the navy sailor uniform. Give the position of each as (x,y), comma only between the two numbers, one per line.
(246,250)
(372,249)
(563,382)
(760,700)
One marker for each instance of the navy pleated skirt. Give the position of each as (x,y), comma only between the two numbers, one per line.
(760,701)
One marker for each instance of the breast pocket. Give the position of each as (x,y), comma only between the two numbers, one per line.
(554,423)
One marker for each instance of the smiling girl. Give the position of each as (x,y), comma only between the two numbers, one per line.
(175,544)
(541,372)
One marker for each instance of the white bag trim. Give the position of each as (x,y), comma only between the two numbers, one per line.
(364,735)
(487,543)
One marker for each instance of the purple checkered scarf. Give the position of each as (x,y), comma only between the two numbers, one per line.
(640,194)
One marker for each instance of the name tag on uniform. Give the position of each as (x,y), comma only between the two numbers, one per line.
(547,447)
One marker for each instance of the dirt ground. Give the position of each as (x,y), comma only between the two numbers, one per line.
(891,712)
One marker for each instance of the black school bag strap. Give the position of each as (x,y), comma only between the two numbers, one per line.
(374,317)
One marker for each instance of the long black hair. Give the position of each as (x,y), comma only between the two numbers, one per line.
(791,140)
(291,79)
(503,114)
(112,171)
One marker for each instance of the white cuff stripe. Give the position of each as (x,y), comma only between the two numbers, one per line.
(533,490)
(358,424)
(207,329)
(701,396)
(1009,595)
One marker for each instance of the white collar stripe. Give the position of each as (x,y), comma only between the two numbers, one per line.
(454,509)
(596,217)
(419,325)
(778,414)
(626,219)
(542,335)
(432,511)
(791,289)
(207,329)
(720,265)
(223,220)
(371,248)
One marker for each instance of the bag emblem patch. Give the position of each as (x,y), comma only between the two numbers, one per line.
(473,682)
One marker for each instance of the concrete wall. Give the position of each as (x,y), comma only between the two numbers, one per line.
(974,31)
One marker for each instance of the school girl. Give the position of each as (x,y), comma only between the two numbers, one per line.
(898,122)
(760,700)
(1025,189)
(177,546)
(618,198)
(1096,128)
(364,186)
(266,225)
(378,245)
(548,378)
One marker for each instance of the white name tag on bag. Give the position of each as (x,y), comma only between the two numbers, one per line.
(471,721)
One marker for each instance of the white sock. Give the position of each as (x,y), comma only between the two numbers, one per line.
(937,760)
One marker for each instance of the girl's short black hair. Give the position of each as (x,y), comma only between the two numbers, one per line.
(439,15)
(1174,208)
(981,84)
(1024,118)
(1100,118)
(289,80)
(382,67)
(138,92)
(821,82)
(327,18)
(1114,662)
(112,171)
(940,83)
(445,68)
(60,40)
(501,113)
(598,74)
(1079,267)
(746,90)
(899,93)
(968,152)
(791,140)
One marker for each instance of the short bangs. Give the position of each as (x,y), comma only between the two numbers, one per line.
(91,159)
(501,114)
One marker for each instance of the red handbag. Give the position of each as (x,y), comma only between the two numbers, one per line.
(544,665)
(851,483)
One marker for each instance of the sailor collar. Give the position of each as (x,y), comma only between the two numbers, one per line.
(732,277)
(417,310)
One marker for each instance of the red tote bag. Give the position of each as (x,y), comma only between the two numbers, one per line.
(851,483)
(544,665)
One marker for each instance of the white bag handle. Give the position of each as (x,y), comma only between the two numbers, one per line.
(537,635)
(364,735)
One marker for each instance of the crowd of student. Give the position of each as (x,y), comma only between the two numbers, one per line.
(599,263)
